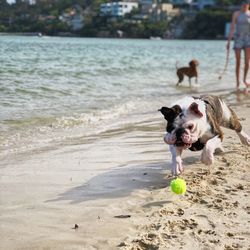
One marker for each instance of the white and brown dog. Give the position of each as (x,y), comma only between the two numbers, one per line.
(194,123)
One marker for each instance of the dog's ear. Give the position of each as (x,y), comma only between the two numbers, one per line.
(194,108)
(170,113)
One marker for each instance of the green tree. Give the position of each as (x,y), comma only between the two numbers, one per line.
(3,4)
(2,28)
(207,24)
(226,2)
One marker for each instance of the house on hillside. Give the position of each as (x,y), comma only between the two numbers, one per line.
(163,12)
(155,11)
(181,2)
(117,9)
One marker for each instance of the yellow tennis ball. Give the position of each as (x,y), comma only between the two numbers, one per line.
(178,186)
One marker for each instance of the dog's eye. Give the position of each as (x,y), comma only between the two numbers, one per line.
(181,115)
(190,127)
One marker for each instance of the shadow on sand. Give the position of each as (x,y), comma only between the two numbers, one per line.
(119,182)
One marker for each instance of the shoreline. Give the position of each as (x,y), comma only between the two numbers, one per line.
(36,34)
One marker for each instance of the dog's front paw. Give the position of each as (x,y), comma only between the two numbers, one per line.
(207,156)
(177,167)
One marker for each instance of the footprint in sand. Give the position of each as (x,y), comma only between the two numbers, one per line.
(205,221)
(247,209)
(206,232)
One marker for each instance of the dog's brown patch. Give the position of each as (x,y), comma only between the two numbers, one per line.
(234,122)
(215,116)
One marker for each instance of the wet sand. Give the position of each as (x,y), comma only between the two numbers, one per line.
(115,187)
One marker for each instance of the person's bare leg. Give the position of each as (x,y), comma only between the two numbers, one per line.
(246,68)
(237,68)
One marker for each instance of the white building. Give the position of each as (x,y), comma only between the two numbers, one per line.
(117,8)
(181,2)
(150,2)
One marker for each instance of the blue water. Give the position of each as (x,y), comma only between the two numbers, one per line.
(53,88)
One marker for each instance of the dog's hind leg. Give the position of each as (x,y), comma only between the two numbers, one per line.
(235,124)
(231,121)
(244,138)
(180,76)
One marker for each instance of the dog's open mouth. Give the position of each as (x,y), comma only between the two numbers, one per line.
(182,144)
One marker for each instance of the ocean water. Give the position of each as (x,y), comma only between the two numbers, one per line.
(57,91)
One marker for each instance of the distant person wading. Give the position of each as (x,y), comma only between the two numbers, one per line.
(240,29)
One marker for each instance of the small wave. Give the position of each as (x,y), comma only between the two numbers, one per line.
(58,91)
(25,91)
(95,117)
(34,132)
(34,121)
(4,89)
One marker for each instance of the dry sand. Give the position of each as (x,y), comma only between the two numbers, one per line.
(215,211)
(43,195)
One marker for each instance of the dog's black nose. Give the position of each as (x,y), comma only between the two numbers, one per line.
(179,133)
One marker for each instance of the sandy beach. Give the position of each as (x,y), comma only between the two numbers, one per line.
(116,189)
(213,214)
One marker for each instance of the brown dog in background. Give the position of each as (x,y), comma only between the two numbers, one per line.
(190,72)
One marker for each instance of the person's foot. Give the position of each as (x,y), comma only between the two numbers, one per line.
(246,91)
(237,86)
(247,84)
(237,89)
